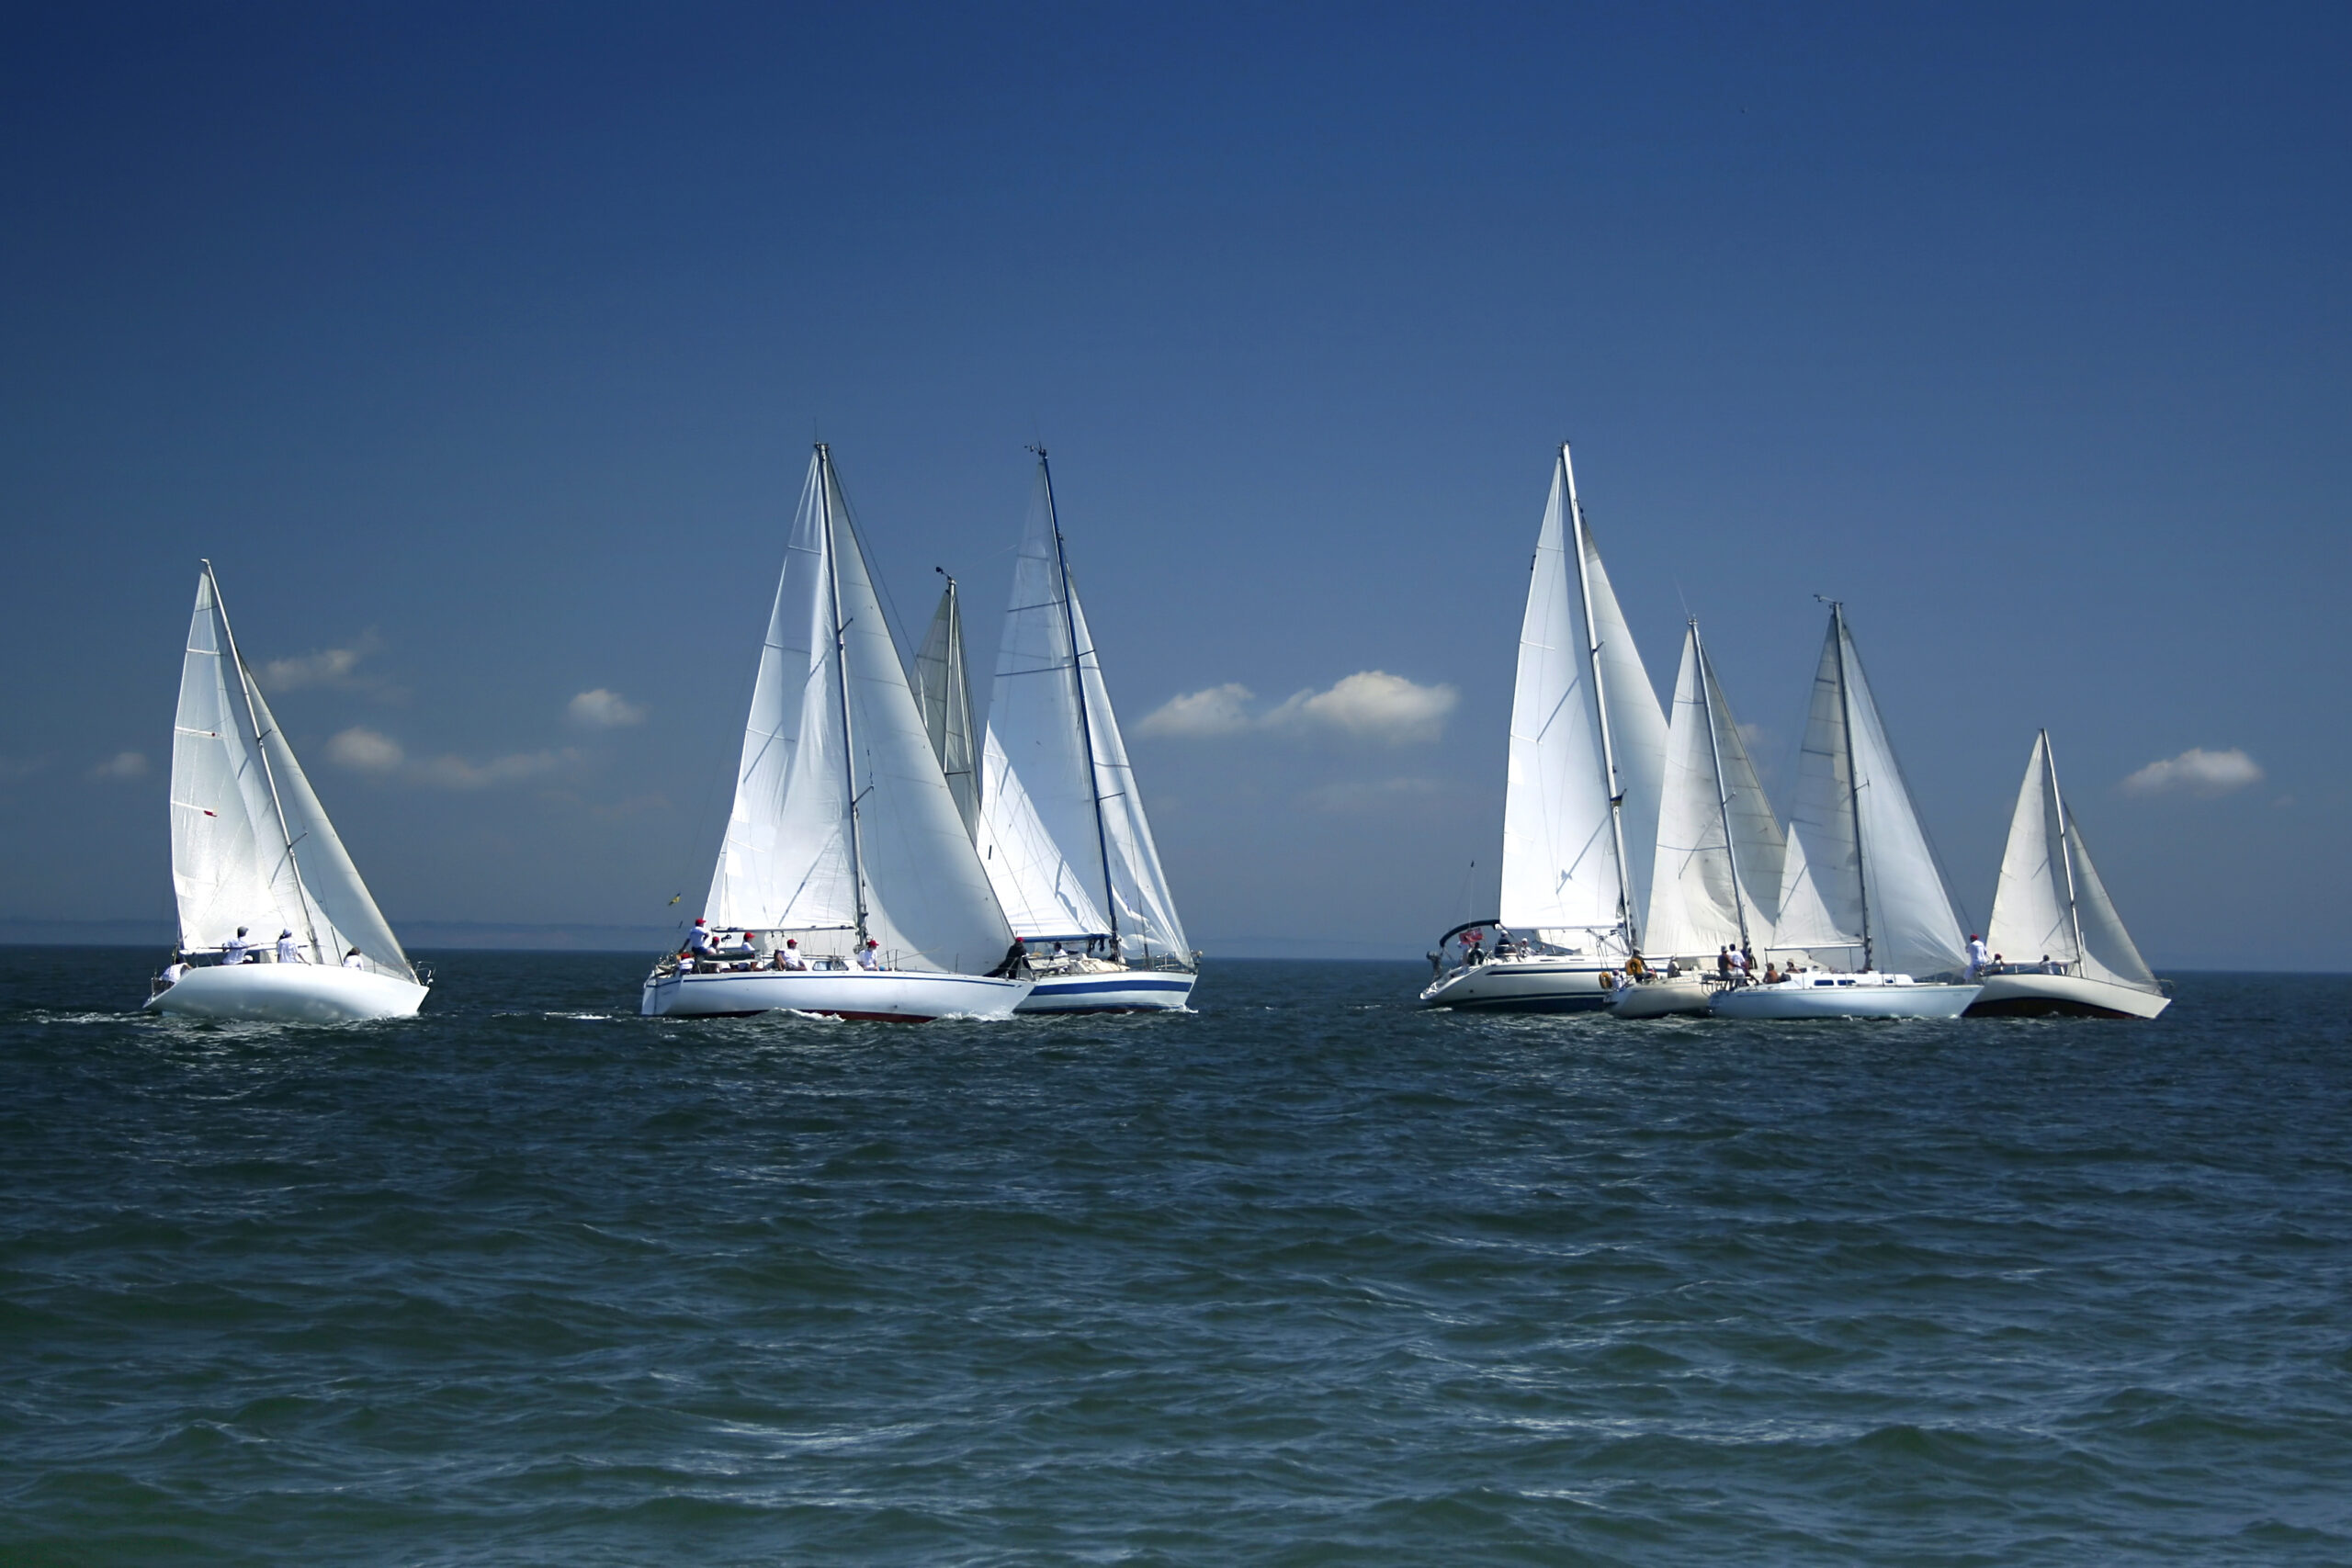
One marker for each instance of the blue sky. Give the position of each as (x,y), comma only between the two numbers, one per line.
(481,347)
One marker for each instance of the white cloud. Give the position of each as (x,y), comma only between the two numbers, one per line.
(364,752)
(1220,710)
(122,765)
(456,772)
(1371,704)
(2196,772)
(327,667)
(1374,705)
(1355,797)
(601,709)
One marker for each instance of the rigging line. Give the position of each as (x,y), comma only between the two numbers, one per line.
(1078,679)
(826,483)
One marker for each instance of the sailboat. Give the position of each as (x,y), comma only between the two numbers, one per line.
(1722,860)
(844,847)
(1867,857)
(252,850)
(1062,830)
(2051,902)
(1587,748)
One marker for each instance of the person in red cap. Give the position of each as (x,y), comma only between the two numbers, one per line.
(1980,957)
(870,956)
(699,943)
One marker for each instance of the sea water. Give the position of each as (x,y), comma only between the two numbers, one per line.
(1305,1276)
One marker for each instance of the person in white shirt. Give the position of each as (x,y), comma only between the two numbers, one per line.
(173,971)
(236,948)
(870,956)
(351,959)
(1980,957)
(288,952)
(789,956)
(700,943)
(2050,965)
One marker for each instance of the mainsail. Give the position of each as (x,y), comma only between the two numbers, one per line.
(1576,841)
(943,691)
(1877,879)
(1063,828)
(2050,902)
(251,844)
(842,818)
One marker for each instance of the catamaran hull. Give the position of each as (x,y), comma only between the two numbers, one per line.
(1138,990)
(890,995)
(1517,984)
(288,993)
(1797,1002)
(2063,996)
(1660,998)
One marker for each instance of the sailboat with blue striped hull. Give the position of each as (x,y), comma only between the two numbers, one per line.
(1062,830)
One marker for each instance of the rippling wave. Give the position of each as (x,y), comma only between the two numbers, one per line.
(1303,1277)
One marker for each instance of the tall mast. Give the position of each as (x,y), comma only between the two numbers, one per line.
(841,669)
(2065,847)
(1853,785)
(269,774)
(1625,915)
(1722,800)
(1078,680)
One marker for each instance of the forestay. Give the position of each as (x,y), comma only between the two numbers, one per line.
(1868,854)
(842,818)
(1561,875)
(244,854)
(1051,721)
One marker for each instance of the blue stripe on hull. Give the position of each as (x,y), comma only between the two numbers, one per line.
(1071,988)
(1593,1003)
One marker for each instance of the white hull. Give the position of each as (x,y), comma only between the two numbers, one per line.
(1113,990)
(288,993)
(891,996)
(1661,999)
(2063,996)
(1844,996)
(1522,985)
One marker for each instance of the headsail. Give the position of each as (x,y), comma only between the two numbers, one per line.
(251,844)
(943,691)
(1877,879)
(1719,849)
(1563,871)
(1065,768)
(842,817)
(2050,901)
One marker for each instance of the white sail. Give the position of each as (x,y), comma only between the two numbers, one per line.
(943,691)
(1868,855)
(2048,889)
(1050,719)
(251,844)
(1042,893)
(842,817)
(1719,849)
(1561,873)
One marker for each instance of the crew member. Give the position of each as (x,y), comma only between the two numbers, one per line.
(870,956)
(1980,957)
(351,959)
(235,950)
(288,952)
(789,956)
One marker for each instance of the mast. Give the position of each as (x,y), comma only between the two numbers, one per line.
(1078,680)
(1853,785)
(261,750)
(1626,917)
(2065,848)
(1722,800)
(840,668)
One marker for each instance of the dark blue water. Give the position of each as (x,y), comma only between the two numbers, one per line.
(1306,1277)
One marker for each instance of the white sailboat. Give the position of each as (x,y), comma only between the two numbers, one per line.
(844,838)
(253,851)
(2050,902)
(1721,860)
(1062,830)
(1881,894)
(1587,748)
